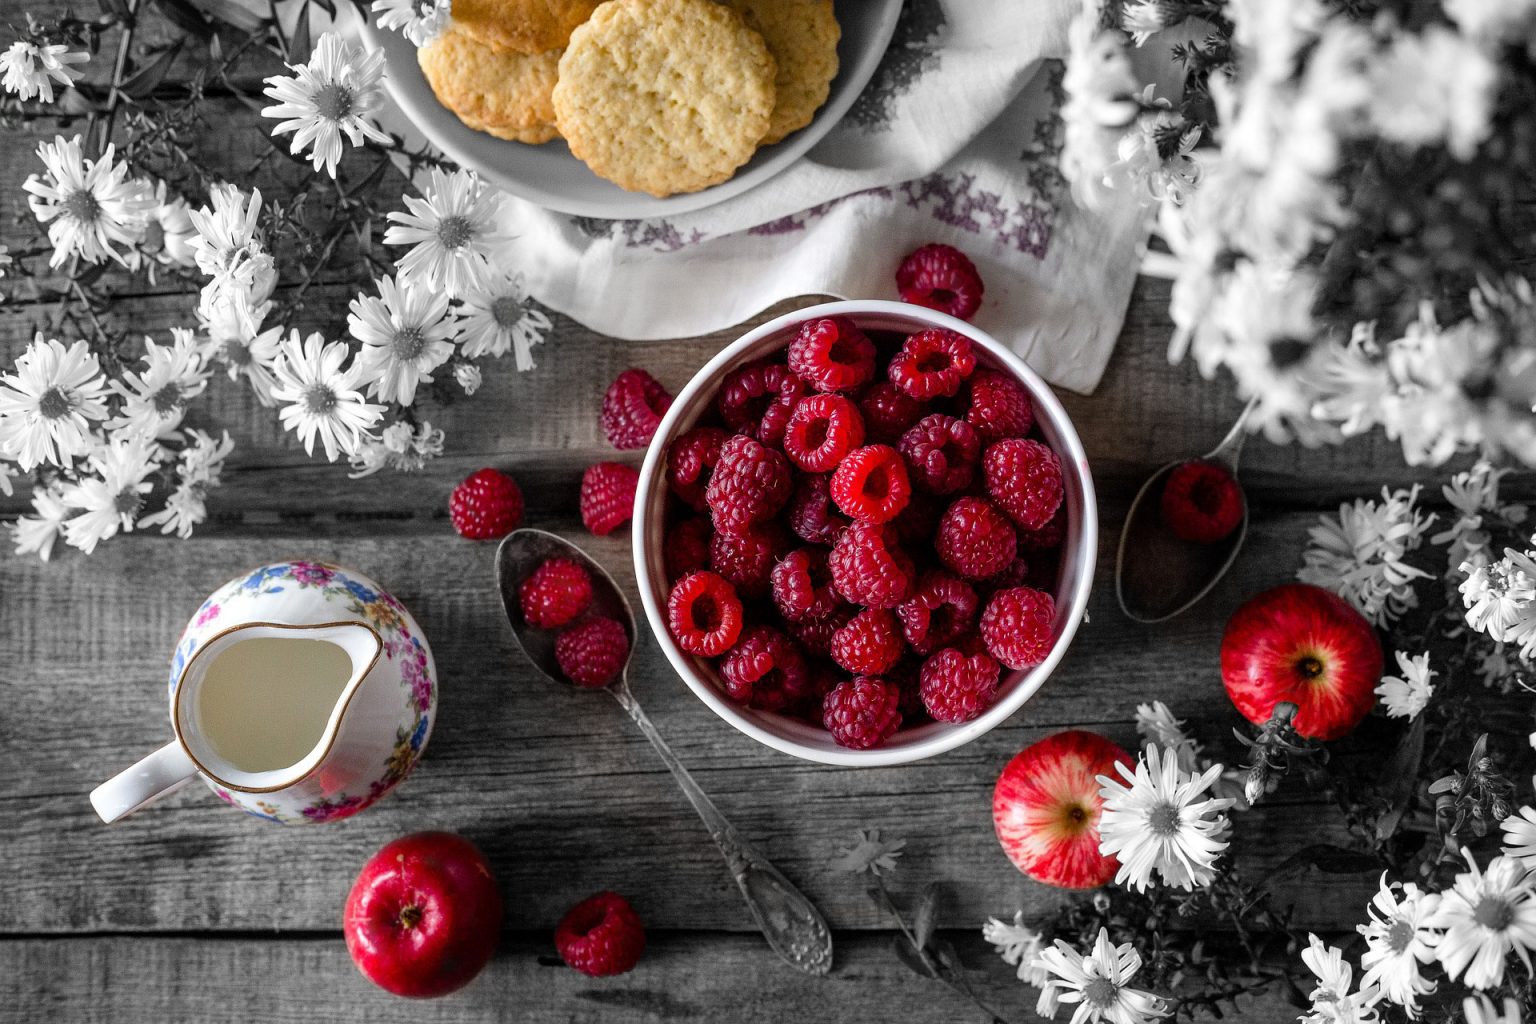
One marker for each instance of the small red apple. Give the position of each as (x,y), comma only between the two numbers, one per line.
(424,915)
(1046,809)
(1305,645)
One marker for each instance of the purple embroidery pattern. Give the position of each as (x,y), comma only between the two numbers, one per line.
(660,235)
(913,53)
(798,221)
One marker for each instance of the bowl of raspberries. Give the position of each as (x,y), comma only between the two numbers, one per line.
(865,533)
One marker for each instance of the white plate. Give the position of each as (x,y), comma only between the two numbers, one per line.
(549,176)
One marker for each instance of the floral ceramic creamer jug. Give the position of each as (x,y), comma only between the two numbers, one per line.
(300,693)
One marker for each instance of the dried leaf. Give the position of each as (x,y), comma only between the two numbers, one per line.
(1399,778)
(299,44)
(909,956)
(184,16)
(927,915)
(143,81)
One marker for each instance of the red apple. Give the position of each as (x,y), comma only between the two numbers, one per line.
(1305,645)
(424,915)
(1046,809)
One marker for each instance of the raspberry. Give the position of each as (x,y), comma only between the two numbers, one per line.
(690,458)
(940,277)
(821,431)
(601,936)
(746,559)
(632,409)
(802,586)
(1201,502)
(999,406)
(941,452)
(704,614)
(757,399)
(812,515)
(1024,478)
(608,496)
(869,644)
(1048,537)
(862,713)
(749,485)
(686,548)
(871,484)
(487,505)
(975,539)
(555,593)
(940,611)
(592,653)
(831,354)
(815,635)
(1017,574)
(888,411)
(932,364)
(957,688)
(1017,626)
(765,670)
(868,568)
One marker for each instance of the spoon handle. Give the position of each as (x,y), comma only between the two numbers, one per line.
(789,920)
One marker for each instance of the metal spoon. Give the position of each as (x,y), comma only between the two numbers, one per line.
(789,921)
(1158,575)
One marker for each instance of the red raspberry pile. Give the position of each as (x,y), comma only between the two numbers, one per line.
(590,649)
(857,532)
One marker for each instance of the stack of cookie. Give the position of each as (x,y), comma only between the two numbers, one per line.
(657,96)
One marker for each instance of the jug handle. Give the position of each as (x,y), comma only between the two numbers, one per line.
(161,773)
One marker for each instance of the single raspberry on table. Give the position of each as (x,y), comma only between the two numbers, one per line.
(815,635)
(633,408)
(999,406)
(863,712)
(802,585)
(746,558)
(831,354)
(592,653)
(869,644)
(608,496)
(487,505)
(704,614)
(686,548)
(932,364)
(871,484)
(690,458)
(1024,478)
(1049,537)
(822,430)
(956,687)
(751,482)
(869,568)
(975,539)
(601,936)
(765,670)
(757,399)
(555,593)
(940,277)
(1202,502)
(811,513)
(1018,626)
(940,611)
(888,411)
(941,453)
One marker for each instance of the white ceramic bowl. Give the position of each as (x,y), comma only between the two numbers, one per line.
(1074,580)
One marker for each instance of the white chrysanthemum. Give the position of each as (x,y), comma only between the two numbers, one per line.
(1156,820)
(1486,915)
(1474,494)
(1018,945)
(1101,104)
(48,404)
(1398,940)
(226,244)
(1143,19)
(36,534)
(168,231)
(1360,555)
(320,398)
(1500,598)
(253,357)
(420,21)
(1333,1002)
(1154,155)
(452,231)
(468,377)
(399,448)
(111,498)
(1098,983)
(328,98)
(30,71)
(1157,726)
(90,206)
(1481,1010)
(1406,695)
(155,400)
(406,333)
(1431,87)
(1520,836)
(199,468)
(497,317)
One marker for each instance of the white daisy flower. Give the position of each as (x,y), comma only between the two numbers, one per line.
(1481,1010)
(198,469)
(420,21)
(1360,555)
(110,500)
(1398,939)
(1154,155)
(1098,983)
(1486,915)
(497,317)
(1474,494)
(321,398)
(1143,19)
(1520,836)
(226,244)
(1332,1000)
(1434,86)
(1500,599)
(452,231)
(47,405)
(168,230)
(239,306)
(1101,88)
(468,377)
(328,98)
(90,206)
(35,534)
(399,448)
(155,400)
(251,356)
(1406,695)
(406,333)
(30,71)
(1018,945)
(1157,821)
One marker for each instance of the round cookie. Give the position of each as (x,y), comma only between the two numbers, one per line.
(665,96)
(523,26)
(802,35)
(496,91)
